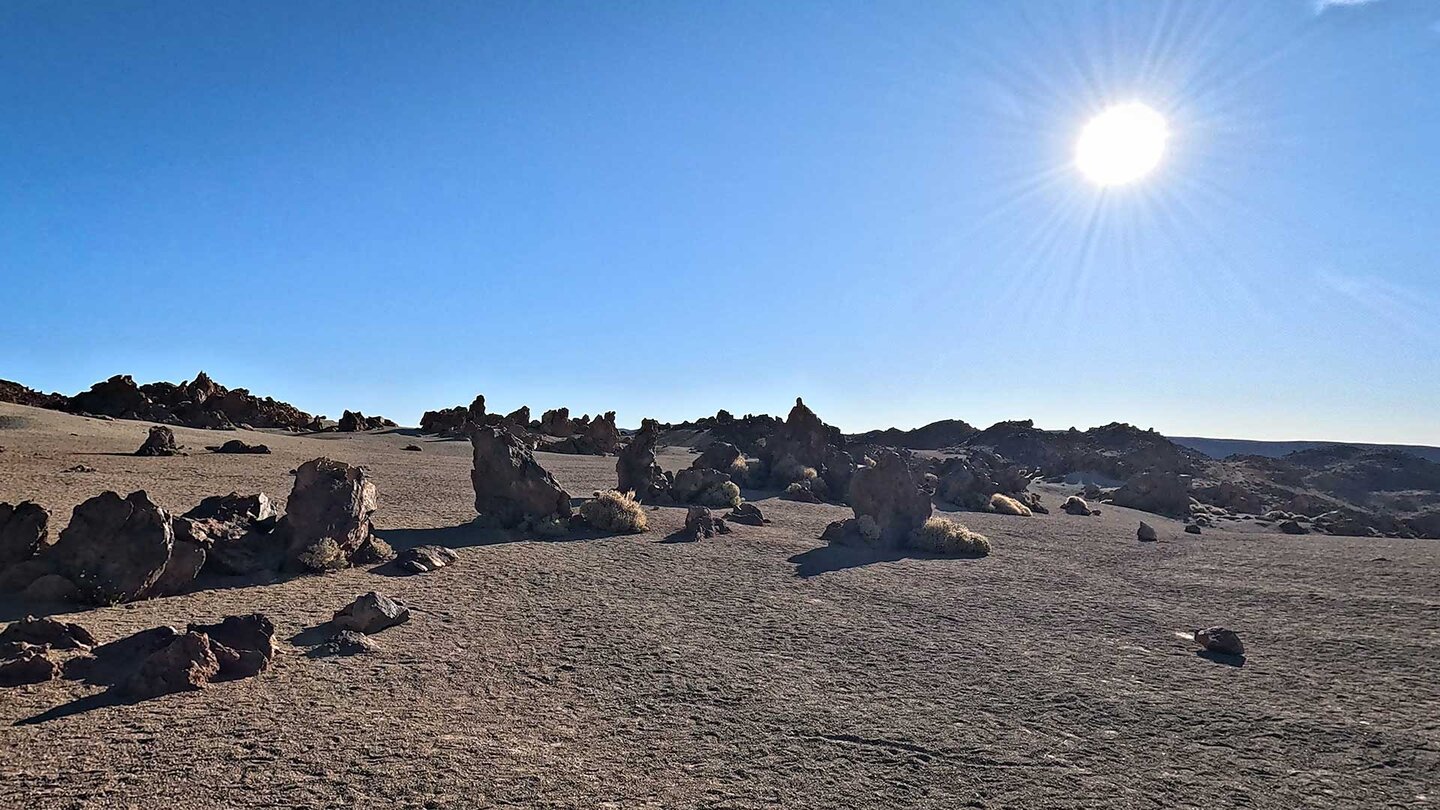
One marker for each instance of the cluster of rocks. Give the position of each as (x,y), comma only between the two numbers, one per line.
(972,477)
(354,422)
(120,549)
(147,664)
(200,403)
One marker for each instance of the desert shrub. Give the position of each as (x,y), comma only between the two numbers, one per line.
(800,491)
(322,555)
(808,473)
(1006,505)
(739,469)
(730,491)
(373,550)
(941,536)
(616,512)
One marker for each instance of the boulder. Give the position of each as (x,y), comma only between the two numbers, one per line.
(1075,505)
(1146,533)
(1293,527)
(1193,528)
(236,533)
(413,448)
(238,447)
(187,662)
(115,548)
(48,632)
(423,559)
(718,456)
(160,442)
(701,523)
(34,665)
(510,485)
(243,646)
(889,494)
(331,501)
(747,513)
(706,487)
(351,421)
(1220,640)
(24,530)
(371,613)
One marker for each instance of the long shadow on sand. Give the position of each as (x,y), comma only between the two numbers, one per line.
(829,558)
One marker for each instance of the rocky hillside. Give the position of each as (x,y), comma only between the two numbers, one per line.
(200,403)
(934,436)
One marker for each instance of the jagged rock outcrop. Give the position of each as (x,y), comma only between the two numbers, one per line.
(636,469)
(200,403)
(510,486)
(557,423)
(970,479)
(115,548)
(807,452)
(235,533)
(887,497)
(355,421)
(327,517)
(160,442)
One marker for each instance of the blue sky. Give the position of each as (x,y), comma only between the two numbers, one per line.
(668,208)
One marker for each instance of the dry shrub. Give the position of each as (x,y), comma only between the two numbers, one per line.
(1006,505)
(616,512)
(941,536)
(373,550)
(322,555)
(730,491)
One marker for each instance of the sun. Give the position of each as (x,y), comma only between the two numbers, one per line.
(1122,144)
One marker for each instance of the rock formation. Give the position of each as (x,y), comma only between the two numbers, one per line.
(115,548)
(636,470)
(510,486)
(160,442)
(330,507)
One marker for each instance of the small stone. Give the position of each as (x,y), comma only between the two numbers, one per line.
(1220,640)
(187,662)
(1193,528)
(160,442)
(29,666)
(347,642)
(1146,533)
(371,613)
(422,559)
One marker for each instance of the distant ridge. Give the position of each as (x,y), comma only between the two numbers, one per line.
(1222,448)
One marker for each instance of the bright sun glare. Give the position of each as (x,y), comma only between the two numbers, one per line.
(1121,145)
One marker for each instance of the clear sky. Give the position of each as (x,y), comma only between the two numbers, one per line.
(666,208)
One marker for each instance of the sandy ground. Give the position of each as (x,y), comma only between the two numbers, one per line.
(756,669)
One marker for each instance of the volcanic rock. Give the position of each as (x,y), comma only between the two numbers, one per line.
(331,501)
(371,613)
(115,548)
(510,485)
(160,442)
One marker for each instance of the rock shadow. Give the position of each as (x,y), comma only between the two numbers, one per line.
(1236,661)
(836,557)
